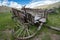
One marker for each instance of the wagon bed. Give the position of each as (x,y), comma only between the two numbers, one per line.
(28,22)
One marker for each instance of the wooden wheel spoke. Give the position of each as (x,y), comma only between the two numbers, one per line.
(28,32)
(20,29)
(24,34)
(17,31)
(20,32)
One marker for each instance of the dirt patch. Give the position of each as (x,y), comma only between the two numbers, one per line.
(47,36)
(55,37)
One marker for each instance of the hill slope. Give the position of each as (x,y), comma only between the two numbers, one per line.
(4,9)
(50,6)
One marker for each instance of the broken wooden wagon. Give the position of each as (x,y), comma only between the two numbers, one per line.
(28,22)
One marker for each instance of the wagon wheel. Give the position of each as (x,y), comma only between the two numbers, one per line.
(23,31)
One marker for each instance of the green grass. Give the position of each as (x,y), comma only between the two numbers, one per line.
(54,19)
(6,21)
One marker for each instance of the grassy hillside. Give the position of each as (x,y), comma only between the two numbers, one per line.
(50,6)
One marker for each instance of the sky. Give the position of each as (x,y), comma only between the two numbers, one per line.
(28,3)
